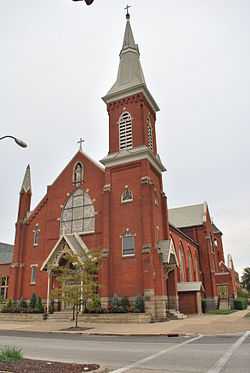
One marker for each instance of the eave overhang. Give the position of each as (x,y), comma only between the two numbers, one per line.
(131,90)
(132,155)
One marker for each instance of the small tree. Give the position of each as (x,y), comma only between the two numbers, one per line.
(77,282)
(245,279)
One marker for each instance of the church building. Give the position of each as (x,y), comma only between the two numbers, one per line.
(173,258)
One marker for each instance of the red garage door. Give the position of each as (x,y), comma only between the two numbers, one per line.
(188,302)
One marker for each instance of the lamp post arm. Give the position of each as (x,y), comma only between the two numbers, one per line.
(17,141)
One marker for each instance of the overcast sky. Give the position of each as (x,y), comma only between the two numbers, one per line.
(58,58)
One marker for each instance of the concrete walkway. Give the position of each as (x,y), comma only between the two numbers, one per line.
(198,324)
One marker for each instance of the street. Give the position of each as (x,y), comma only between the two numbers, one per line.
(204,354)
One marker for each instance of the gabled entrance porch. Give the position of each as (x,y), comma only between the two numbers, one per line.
(67,245)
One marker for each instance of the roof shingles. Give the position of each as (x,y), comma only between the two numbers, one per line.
(6,253)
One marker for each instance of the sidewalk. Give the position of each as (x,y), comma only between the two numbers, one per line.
(202,324)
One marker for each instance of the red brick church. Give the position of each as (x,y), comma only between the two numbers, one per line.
(173,258)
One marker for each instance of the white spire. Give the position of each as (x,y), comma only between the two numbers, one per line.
(130,77)
(128,41)
(26,185)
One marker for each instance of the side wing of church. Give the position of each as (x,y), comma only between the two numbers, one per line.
(172,258)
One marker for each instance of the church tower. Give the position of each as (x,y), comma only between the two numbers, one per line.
(135,208)
(17,266)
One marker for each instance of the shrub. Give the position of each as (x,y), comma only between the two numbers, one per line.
(22,305)
(94,305)
(33,301)
(139,304)
(125,304)
(242,293)
(240,303)
(39,306)
(116,305)
(8,306)
(10,354)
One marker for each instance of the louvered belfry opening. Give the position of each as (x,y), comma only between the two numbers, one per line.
(125,131)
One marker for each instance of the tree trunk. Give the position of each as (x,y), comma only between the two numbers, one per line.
(76,317)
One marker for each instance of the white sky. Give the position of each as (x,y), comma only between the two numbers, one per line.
(58,58)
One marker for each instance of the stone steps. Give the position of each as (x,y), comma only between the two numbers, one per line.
(175,315)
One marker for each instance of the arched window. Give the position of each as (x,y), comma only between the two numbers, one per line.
(127,195)
(36,235)
(197,272)
(78,215)
(4,283)
(78,174)
(125,131)
(190,268)
(150,133)
(182,264)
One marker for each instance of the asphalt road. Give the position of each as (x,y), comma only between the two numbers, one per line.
(203,354)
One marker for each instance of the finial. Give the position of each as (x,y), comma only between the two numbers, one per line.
(127,8)
(80,142)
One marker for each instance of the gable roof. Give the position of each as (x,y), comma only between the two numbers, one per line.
(188,216)
(216,229)
(6,253)
(74,242)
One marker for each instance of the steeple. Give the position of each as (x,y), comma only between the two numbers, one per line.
(130,78)
(26,185)
(25,197)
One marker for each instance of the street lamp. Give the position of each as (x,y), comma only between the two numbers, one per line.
(17,141)
(88,2)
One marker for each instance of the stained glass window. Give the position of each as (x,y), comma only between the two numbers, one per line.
(127,195)
(182,264)
(190,268)
(78,215)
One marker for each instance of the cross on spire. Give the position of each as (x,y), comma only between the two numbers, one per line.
(127,8)
(80,142)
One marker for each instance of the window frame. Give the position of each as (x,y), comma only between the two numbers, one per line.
(128,234)
(33,279)
(182,263)
(36,235)
(4,286)
(82,219)
(127,190)
(78,183)
(125,131)
(190,267)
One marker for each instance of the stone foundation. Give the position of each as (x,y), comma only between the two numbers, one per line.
(210,304)
(104,302)
(21,317)
(155,305)
(173,302)
(160,307)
